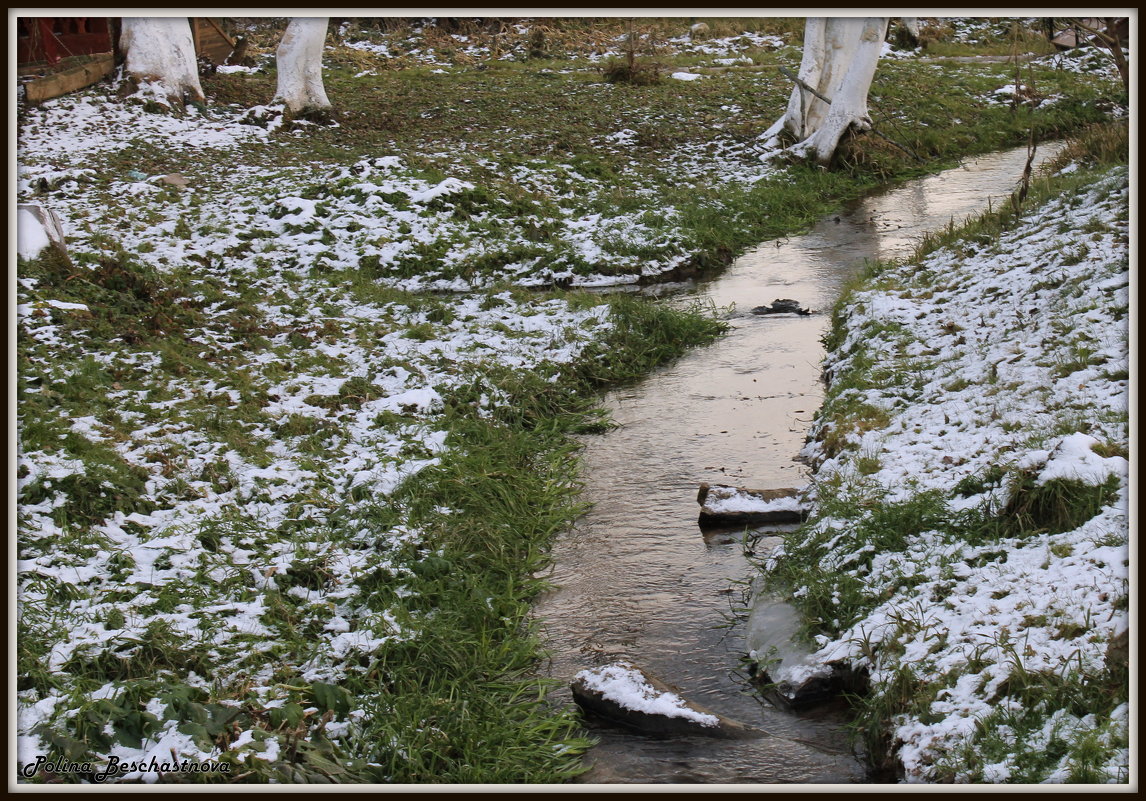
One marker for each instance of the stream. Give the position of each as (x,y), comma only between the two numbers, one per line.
(636,579)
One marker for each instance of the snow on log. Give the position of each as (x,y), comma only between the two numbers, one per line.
(299,59)
(160,59)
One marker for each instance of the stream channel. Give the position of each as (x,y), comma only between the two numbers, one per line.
(636,578)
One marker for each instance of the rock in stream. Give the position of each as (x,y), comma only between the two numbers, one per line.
(722,505)
(623,693)
(786,672)
(782,306)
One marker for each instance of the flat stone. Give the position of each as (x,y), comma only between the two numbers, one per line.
(175,179)
(624,694)
(722,505)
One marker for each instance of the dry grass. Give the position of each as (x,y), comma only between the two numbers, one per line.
(1104,143)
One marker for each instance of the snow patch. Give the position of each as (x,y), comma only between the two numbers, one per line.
(626,686)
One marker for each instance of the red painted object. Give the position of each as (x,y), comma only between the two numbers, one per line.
(48,39)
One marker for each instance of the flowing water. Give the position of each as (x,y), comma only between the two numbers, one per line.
(637,579)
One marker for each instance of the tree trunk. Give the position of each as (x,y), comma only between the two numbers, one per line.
(159,58)
(38,227)
(1109,40)
(839,61)
(299,59)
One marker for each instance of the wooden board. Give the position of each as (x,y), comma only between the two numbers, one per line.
(211,41)
(69,80)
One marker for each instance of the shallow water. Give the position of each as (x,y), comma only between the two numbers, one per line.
(636,578)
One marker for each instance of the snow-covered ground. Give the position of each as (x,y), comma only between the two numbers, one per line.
(985,374)
(151,575)
(199,579)
(340,404)
(515,42)
(314,421)
(415,232)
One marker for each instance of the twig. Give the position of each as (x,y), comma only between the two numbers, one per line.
(787,73)
(1018,197)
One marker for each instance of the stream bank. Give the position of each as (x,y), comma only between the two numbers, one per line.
(968,547)
(635,579)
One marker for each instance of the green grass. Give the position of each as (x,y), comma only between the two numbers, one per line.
(526,113)
(459,700)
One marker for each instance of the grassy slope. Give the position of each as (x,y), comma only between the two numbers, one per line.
(427,708)
(690,139)
(949,581)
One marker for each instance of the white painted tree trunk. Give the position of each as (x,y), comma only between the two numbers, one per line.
(299,59)
(839,61)
(38,227)
(160,58)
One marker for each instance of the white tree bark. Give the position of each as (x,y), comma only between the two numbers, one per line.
(299,59)
(38,227)
(839,61)
(160,58)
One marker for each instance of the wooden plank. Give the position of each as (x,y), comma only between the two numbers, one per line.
(217,52)
(195,34)
(69,80)
(211,41)
(222,32)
